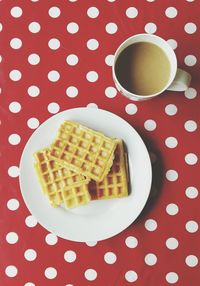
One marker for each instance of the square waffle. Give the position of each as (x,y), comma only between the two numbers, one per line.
(115,184)
(83,150)
(59,183)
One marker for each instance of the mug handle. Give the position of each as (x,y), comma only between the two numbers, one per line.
(181,81)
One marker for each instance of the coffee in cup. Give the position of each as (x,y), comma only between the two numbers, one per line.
(145,65)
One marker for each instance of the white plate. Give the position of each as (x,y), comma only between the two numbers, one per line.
(99,219)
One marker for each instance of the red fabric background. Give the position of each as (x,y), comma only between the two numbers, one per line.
(167,192)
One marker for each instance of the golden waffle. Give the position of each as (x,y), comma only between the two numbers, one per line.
(83,150)
(59,183)
(115,184)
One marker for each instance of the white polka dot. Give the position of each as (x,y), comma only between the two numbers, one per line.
(131,108)
(150,28)
(173,43)
(190,125)
(150,0)
(34,27)
(191,226)
(14,139)
(0,58)
(72,91)
(171,12)
(72,1)
(11,271)
(70,256)
(190,28)
(29,283)
(110,258)
(16,12)
(191,192)
(190,60)
(150,125)
(13,204)
(109,60)
(111,28)
(14,107)
(150,224)
(33,91)
(13,171)
(72,28)
(111,0)
(16,43)
(50,273)
(53,107)
(1,27)
(191,159)
(33,123)
(131,12)
(91,243)
(171,277)
(131,242)
(110,92)
(190,93)
(92,44)
(150,259)
(15,75)
(190,0)
(51,239)
(171,175)
(31,221)
(131,276)
(92,105)
(172,243)
(172,209)
(171,142)
(93,12)
(30,254)
(12,237)
(53,76)
(90,274)
(54,44)
(34,59)
(92,76)
(54,12)
(170,109)
(72,60)
(191,260)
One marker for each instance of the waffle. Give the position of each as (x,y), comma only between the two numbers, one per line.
(59,183)
(83,150)
(115,184)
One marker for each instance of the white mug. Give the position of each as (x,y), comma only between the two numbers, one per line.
(179,80)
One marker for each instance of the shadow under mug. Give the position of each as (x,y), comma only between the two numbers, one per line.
(179,80)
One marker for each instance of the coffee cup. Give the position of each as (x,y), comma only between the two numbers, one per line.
(145,66)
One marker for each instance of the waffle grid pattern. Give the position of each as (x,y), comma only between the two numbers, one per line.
(59,183)
(115,185)
(83,150)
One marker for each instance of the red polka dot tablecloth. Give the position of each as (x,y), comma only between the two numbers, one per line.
(56,55)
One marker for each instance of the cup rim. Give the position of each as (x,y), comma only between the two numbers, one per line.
(125,91)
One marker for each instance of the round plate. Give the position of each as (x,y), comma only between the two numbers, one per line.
(97,220)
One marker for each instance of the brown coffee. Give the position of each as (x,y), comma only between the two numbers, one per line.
(143,68)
